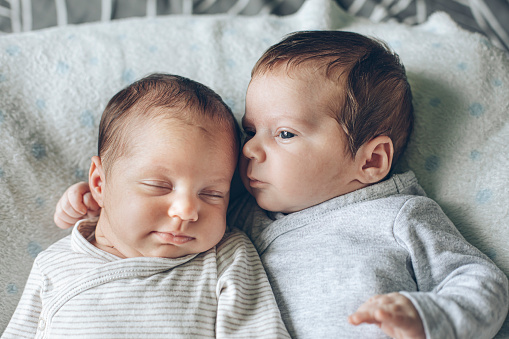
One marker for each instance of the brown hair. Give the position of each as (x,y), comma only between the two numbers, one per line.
(188,100)
(371,95)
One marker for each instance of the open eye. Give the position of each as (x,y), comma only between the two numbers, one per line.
(286,135)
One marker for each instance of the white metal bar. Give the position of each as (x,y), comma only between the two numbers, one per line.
(238,7)
(187,6)
(106,10)
(421,12)
(4,11)
(356,6)
(380,11)
(15,16)
(501,34)
(399,7)
(151,8)
(26,7)
(61,12)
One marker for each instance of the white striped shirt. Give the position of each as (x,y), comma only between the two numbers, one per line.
(78,290)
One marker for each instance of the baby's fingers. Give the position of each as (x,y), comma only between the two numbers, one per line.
(72,202)
(393,313)
(61,219)
(369,312)
(93,207)
(71,208)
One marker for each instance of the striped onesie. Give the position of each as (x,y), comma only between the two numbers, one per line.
(78,290)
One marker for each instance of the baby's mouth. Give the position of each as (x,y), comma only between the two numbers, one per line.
(174,237)
(253,182)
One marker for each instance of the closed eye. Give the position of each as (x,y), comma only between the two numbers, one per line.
(157,186)
(212,196)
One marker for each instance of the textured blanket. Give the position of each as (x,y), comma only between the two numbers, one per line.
(55,83)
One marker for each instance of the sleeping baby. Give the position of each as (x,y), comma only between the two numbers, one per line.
(157,263)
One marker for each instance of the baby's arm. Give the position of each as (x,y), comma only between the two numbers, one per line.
(76,203)
(393,313)
(246,305)
(461,293)
(25,320)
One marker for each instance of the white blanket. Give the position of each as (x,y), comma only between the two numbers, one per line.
(55,83)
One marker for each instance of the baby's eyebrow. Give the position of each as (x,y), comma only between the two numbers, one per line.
(220,181)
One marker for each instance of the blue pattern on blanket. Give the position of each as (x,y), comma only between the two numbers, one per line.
(87,119)
(40,103)
(62,68)
(38,150)
(13,50)
(80,174)
(476,109)
(483,196)
(34,248)
(432,163)
(128,76)
(12,288)
(40,202)
(475,155)
(434,102)
(462,66)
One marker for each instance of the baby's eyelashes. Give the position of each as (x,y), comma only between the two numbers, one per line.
(212,195)
(286,135)
(158,184)
(157,187)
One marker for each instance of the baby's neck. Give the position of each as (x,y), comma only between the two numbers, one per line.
(102,243)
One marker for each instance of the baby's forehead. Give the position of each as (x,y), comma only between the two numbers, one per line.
(300,83)
(175,133)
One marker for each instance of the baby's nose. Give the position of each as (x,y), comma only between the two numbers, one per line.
(185,207)
(253,149)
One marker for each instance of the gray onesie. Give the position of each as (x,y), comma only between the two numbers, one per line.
(325,261)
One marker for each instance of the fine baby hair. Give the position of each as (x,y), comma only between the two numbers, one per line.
(147,98)
(370,94)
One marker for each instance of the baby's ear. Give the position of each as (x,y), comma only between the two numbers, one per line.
(96,180)
(375,159)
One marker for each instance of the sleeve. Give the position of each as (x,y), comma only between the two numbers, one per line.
(461,292)
(25,319)
(246,305)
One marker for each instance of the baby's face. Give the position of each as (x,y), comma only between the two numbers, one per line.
(295,155)
(168,197)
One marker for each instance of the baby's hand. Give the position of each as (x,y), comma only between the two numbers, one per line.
(393,313)
(76,203)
